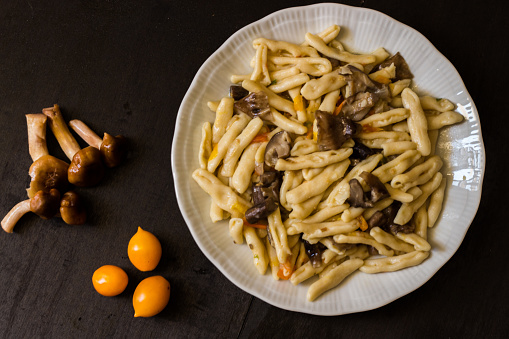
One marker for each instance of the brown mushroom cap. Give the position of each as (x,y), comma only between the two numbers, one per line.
(86,168)
(113,149)
(72,209)
(47,172)
(45,204)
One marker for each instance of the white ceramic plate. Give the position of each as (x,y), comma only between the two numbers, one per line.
(363,30)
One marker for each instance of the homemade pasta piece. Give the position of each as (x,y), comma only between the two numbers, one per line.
(205,145)
(396,166)
(216,213)
(421,222)
(435,203)
(241,178)
(288,83)
(223,195)
(386,118)
(238,145)
(318,184)
(407,210)
(219,151)
(260,69)
(278,46)
(278,235)
(334,53)
(443,119)
(419,243)
(418,175)
(272,256)
(224,113)
(431,103)
(333,278)
(388,239)
(313,66)
(313,160)
(398,147)
(391,264)
(236,227)
(288,124)
(260,257)
(305,208)
(417,123)
(363,238)
(329,82)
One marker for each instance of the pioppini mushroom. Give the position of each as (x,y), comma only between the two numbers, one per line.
(113,148)
(44,204)
(86,168)
(72,209)
(46,171)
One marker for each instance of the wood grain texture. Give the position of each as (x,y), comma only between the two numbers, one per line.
(123,67)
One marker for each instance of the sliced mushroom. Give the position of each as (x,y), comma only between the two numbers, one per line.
(113,148)
(278,147)
(84,168)
(357,196)
(238,92)
(44,204)
(362,93)
(333,130)
(261,211)
(378,189)
(402,69)
(255,105)
(72,209)
(314,252)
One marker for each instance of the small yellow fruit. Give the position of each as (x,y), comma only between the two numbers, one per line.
(110,280)
(144,250)
(151,296)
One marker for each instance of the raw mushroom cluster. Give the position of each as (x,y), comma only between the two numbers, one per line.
(50,193)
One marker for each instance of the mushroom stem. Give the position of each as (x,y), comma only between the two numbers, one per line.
(36,126)
(10,220)
(89,136)
(59,128)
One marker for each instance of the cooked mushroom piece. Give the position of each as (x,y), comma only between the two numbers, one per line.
(85,168)
(261,211)
(255,105)
(113,148)
(314,252)
(238,92)
(72,209)
(278,147)
(362,93)
(357,197)
(378,189)
(402,69)
(44,204)
(333,130)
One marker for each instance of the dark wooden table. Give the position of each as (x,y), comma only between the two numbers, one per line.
(124,67)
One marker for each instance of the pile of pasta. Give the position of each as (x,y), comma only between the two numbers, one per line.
(300,80)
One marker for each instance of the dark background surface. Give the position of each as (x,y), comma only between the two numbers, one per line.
(124,67)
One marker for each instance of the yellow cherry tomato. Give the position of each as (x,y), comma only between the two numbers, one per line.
(144,250)
(151,296)
(110,280)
